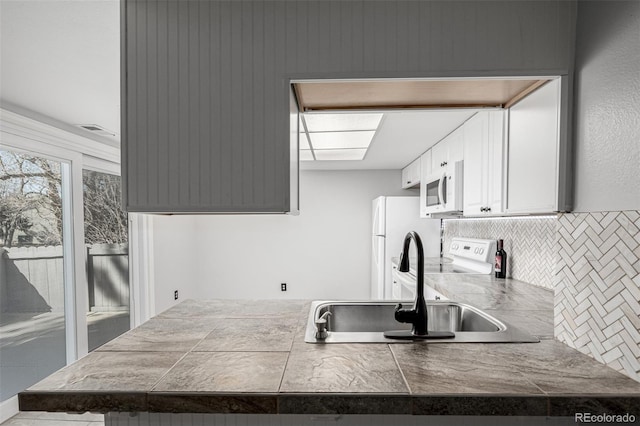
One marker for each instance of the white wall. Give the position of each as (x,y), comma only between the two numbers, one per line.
(175,260)
(607,123)
(325,252)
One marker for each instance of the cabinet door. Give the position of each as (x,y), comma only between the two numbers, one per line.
(415,171)
(533,152)
(455,146)
(484,164)
(439,155)
(448,150)
(411,174)
(496,170)
(406,180)
(425,165)
(476,157)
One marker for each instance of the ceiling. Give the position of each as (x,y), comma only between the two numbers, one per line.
(61,59)
(401,137)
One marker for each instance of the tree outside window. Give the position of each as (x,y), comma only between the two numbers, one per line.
(30,200)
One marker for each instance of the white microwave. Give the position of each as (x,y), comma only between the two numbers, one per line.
(441,193)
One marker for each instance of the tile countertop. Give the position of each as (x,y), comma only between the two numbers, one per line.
(231,356)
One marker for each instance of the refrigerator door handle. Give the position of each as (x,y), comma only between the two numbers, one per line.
(377,268)
(375,252)
(378,225)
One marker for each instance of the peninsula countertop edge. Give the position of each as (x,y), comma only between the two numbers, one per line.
(249,356)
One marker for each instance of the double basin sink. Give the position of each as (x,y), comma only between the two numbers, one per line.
(365,322)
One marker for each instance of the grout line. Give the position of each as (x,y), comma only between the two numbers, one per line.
(165,375)
(400,369)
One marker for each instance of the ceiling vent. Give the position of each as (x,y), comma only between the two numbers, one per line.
(98,130)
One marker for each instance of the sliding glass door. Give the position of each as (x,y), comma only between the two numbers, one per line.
(107,257)
(33,268)
(64,252)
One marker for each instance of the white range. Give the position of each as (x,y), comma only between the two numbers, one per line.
(467,256)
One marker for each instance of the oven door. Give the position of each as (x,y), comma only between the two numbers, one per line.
(404,287)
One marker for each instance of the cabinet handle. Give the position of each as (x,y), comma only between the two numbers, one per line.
(445,163)
(488,209)
(408,182)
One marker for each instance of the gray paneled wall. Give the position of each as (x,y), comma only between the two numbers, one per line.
(182,419)
(206,108)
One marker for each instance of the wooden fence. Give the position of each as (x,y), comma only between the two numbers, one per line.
(108,277)
(32,280)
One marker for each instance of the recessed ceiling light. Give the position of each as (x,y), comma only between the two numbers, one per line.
(339,154)
(328,134)
(329,122)
(341,140)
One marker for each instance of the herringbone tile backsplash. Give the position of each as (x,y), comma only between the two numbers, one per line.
(529,243)
(597,287)
(592,261)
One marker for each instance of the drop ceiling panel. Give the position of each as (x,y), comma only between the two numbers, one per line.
(400,139)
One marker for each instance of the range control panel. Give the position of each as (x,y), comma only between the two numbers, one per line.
(473,249)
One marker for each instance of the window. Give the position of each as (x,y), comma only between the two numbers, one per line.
(55,187)
(106,240)
(32,284)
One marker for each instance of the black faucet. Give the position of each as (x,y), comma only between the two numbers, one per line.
(418,315)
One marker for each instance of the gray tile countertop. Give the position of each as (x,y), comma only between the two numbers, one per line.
(230,356)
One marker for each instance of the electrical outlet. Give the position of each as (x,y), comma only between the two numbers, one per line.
(283,286)
(175,295)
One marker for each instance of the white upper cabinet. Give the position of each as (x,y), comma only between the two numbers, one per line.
(447,151)
(516,160)
(425,162)
(411,174)
(484,164)
(534,152)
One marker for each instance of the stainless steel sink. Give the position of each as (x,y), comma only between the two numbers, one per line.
(365,322)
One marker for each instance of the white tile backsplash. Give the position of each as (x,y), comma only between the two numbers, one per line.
(597,287)
(529,243)
(591,261)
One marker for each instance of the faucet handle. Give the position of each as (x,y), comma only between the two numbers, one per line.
(323,318)
(321,326)
(405,315)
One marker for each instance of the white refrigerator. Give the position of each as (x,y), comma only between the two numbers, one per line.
(393,218)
